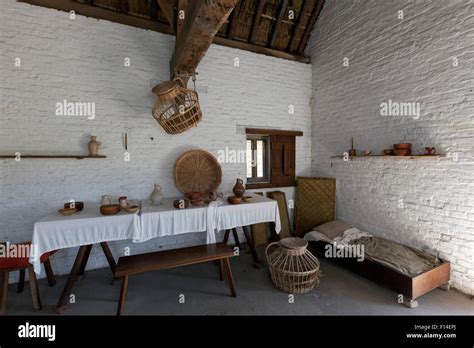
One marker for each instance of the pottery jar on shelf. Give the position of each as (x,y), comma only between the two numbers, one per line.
(93,146)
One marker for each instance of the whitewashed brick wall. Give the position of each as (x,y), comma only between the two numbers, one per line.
(82,60)
(405,60)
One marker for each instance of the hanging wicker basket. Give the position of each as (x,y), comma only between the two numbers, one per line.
(292,267)
(177,108)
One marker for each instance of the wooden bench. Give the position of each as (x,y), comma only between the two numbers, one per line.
(136,264)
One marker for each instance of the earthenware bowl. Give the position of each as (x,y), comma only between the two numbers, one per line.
(247,199)
(181,203)
(402,152)
(109,209)
(68,211)
(78,205)
(402,146)
(234,200)
(131,208)
(198,202)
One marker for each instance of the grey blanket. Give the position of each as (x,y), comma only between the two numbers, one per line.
(406,260)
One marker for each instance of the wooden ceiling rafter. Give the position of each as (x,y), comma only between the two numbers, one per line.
(309,26)
(202,21)
(281,14)
(169,10)
(260,26)
(256,20)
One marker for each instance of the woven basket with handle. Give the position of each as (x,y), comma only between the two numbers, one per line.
(292,266)
(177,108)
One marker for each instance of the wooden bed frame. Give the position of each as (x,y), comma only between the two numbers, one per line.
(410,287)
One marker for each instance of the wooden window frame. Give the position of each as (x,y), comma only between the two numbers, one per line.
(266,179)
(288,139)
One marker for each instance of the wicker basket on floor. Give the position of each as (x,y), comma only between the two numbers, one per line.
(293,268)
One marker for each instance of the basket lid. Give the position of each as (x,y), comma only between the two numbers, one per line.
(293,243)
(166,87)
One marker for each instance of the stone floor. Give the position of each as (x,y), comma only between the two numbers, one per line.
(339,293)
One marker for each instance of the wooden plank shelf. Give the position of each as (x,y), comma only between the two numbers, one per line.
(392,157)
(51,156)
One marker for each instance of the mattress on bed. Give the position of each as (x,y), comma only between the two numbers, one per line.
(404,259)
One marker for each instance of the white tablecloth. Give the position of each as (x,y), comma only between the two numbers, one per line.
(260,209)
(90,227)
(166,220)
(56,231)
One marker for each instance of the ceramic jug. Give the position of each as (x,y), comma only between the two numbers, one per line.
(156,196)
(106,200)
(93,146)
(239,188)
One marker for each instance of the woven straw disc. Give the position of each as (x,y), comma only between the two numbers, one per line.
(197,171)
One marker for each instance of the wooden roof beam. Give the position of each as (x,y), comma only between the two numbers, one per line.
(293,45)
(168,8)
(309,26)
(283,7)
(203,20)
(256,20)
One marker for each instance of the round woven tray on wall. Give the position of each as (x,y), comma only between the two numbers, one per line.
(197,171)
(292,266)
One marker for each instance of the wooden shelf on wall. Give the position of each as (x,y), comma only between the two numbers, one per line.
(392,157)
(51,156)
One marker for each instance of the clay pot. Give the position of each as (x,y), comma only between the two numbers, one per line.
(93,146)
(234,200)
(181,203)
(402,146)
(239,188)
(430,151)
(110,209)
(77,205)
(402,152)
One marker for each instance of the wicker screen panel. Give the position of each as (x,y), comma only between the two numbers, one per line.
(315,203)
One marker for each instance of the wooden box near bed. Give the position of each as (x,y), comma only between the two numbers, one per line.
(316,205)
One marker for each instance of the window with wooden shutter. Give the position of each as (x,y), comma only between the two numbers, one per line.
(282,161)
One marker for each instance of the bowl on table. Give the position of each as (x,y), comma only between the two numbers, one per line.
(247,199)
(77,205)
(181,203)
(131,208)
(109,209)
(234,200)
(198,202)
(68,211)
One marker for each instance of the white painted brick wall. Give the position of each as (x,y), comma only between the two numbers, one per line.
(407,60)
(83,60)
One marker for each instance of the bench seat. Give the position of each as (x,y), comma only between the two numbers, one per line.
(159,260)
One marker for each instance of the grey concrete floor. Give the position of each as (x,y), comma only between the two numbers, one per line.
(340,292)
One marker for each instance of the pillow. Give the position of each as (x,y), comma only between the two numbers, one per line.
(333,229)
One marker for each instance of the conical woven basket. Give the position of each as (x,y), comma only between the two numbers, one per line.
(177,108)
(292,266)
